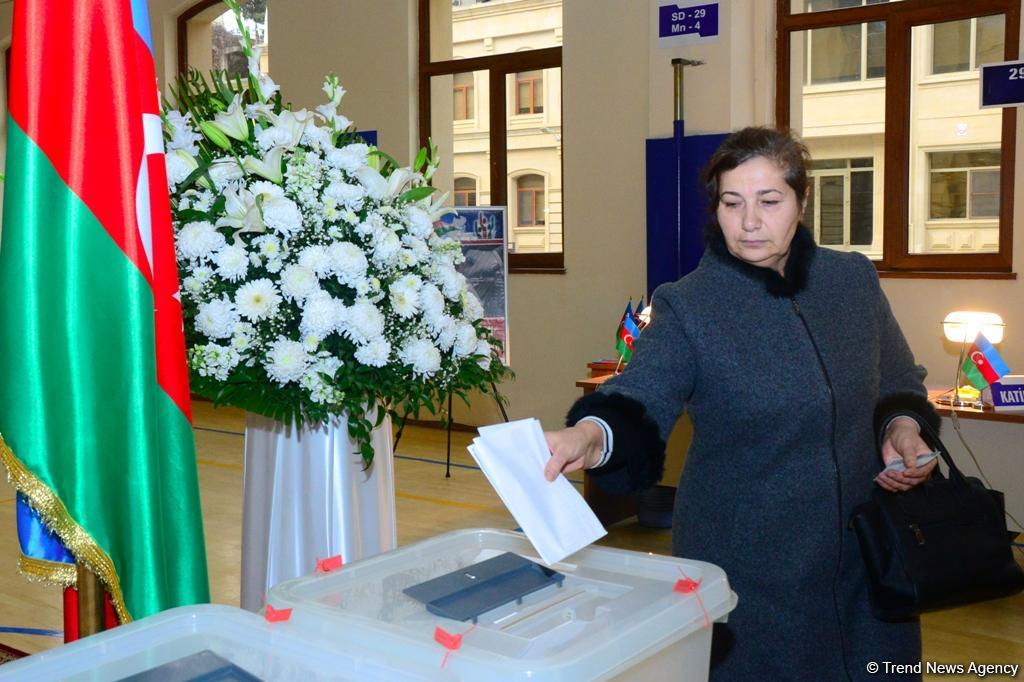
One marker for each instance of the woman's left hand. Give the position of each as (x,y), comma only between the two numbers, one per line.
(903,441)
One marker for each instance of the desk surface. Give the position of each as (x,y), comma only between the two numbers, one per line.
(987,414)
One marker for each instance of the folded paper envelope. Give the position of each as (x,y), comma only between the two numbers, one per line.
(553,514)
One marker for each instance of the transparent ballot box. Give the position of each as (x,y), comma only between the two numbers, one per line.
(207,642)
(601,614)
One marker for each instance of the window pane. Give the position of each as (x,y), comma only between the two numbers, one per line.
(462,142)
(835,54)
(990,41)
(984,202)
(862,197)
(876,49)
(948,194)
(954,145)
(799,6)
(530,92)
(535,162)
(951,46)
(463,96)
(843,127)
(831,216)
(477,28)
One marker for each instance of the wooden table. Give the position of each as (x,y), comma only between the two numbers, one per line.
(985,414)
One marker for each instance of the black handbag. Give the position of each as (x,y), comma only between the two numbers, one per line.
(941,544)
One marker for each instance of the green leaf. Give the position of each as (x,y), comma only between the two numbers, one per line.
(415,194)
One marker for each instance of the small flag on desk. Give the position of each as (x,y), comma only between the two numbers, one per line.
(983,365)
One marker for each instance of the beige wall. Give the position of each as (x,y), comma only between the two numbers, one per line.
(617,91)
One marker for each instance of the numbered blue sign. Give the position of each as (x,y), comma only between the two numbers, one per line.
(687,23)
(1002,84)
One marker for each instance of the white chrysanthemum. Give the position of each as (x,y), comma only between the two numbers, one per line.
(347,261)
(349,158)
(199,240)
(346,194)
(311,341)
(217,318)
(202,200)
(422,356)
(376,353)
(465,340)
(408,282)
(298,282)
(274,265)
(472,309)
(317,137)
(432,300)
(320,390)
(257,300)
(177,168)
(363,322)
(286,360)
(282,215)
(386,246)
(445,331)
(268,245)
(264,189)
(485,352)
(224,173)
(407,259)
(404,301)
(373,224)
(203,273)
(321,314)
(316,259)
(418,222)
(273,136)
(232,262)
(452,282)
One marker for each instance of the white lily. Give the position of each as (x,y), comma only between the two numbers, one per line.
(242,212)
(254,60)
(333,90)
(267,86)
(268,167)
(375,184)
(232,122)
(399,181)
(294,123)
(436,208)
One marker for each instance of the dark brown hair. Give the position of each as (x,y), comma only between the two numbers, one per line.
(779,146)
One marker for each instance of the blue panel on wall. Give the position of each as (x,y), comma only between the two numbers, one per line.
(676,205)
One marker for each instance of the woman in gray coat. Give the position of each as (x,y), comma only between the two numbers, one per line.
(800,386)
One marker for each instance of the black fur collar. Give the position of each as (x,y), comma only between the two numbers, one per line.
(798,264)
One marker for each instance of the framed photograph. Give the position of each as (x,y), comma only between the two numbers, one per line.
(483,233)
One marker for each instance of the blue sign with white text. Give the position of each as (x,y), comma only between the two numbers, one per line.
(693,20)
(1002,84)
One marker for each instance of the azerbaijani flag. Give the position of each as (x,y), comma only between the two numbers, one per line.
(94,403)
(983,365)
(628,331)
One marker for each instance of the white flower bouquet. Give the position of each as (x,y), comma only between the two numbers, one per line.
(313,282)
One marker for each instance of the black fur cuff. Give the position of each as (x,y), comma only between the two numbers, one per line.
(638,457)
(911,405)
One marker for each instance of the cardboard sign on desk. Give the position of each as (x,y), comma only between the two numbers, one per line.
(1008,393)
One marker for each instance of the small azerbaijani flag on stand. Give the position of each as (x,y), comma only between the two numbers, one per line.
(95,415)
(627,334)
(983,365)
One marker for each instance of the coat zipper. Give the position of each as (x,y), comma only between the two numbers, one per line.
(839,488)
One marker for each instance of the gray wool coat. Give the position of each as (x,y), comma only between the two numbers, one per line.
(788,382)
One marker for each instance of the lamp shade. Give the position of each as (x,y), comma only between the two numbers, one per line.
(962,326)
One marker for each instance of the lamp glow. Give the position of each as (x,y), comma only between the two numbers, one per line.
(962,326)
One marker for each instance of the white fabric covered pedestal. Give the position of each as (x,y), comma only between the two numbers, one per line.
(307,497)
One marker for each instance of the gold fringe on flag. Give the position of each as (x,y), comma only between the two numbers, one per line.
(56,517)
(44,571)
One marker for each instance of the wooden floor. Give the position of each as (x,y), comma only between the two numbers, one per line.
(427,504)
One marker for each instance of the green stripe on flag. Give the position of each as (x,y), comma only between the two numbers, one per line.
(973,374)
(80,407)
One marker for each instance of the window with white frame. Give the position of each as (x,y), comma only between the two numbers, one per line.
(964,184)
(840,54)
(840,207)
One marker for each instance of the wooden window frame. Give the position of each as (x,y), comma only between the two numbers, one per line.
(465,193)
(537,199)
(182,26)
(498,68)
(900,18)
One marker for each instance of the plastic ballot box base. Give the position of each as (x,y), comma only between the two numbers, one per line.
(616,614)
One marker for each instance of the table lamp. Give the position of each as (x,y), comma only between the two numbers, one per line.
(962,326)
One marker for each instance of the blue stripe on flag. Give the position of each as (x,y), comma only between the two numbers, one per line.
(993,357)
(140,19)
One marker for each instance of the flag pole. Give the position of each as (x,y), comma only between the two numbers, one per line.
(90,602)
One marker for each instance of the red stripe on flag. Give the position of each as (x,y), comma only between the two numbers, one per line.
(983,365)
(73,87)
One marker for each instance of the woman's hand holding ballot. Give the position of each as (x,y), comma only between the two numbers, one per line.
(574,448)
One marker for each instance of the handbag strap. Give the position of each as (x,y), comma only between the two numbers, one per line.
(954,472)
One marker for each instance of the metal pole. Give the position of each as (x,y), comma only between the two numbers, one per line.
(448,459)
(91,610)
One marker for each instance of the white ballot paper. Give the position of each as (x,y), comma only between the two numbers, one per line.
(553,514)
